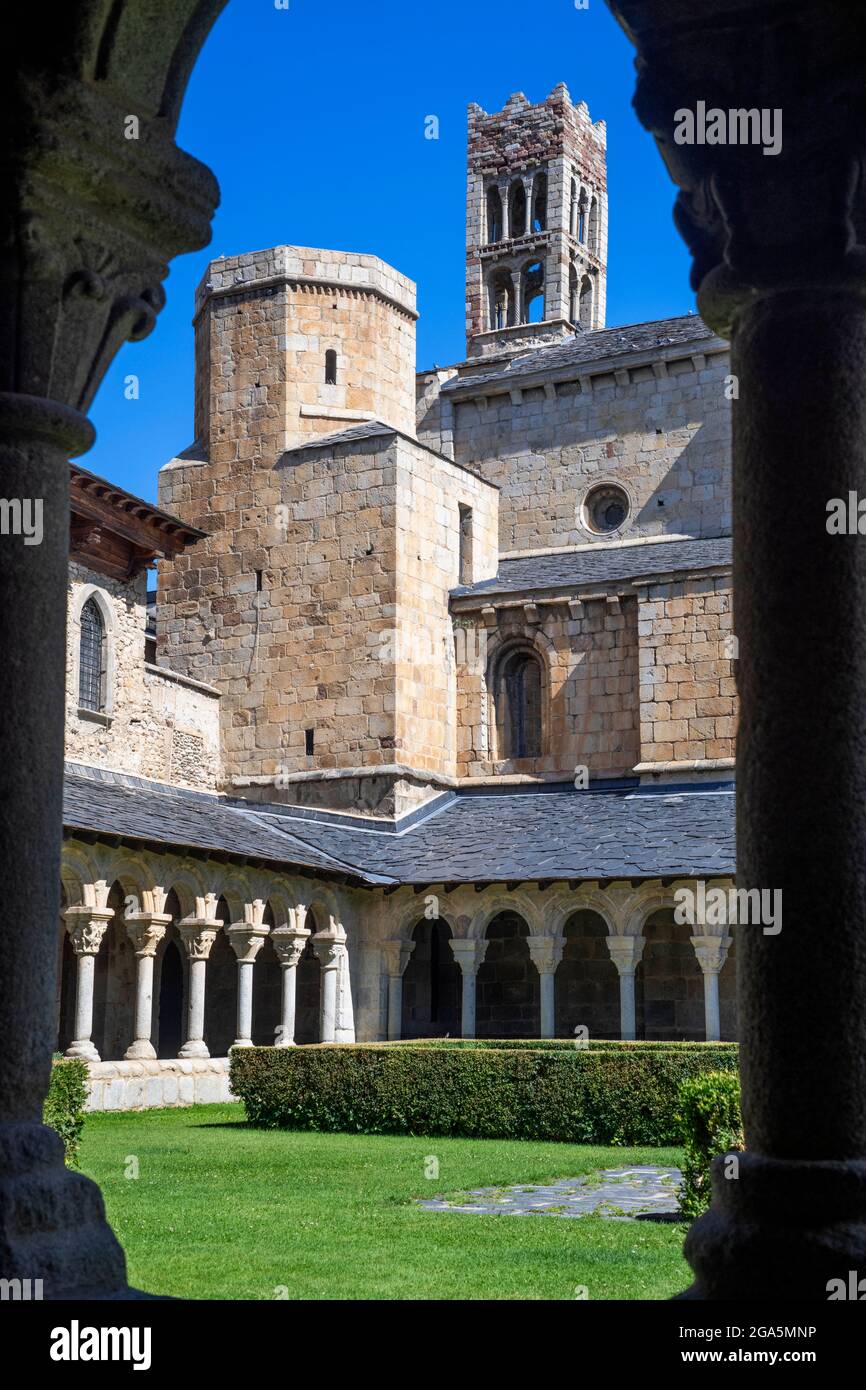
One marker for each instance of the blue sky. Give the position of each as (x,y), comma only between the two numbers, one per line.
(312,119)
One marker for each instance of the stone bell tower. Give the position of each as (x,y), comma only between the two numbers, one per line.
(536,224)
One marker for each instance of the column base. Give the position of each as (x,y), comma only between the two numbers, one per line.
(242,1042)
(196,1047)
(290,1043)
(140,1051)
(783,1229)
(84,1049)
(52,1221)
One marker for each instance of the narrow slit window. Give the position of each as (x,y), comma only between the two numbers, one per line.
(309,741)
(465,554)
(330,367)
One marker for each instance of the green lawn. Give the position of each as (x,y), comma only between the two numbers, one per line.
(220,1210)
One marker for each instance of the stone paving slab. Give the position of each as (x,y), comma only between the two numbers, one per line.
(621,1194)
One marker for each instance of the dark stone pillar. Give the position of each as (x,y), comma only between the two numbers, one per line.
(780,271)
(90,220)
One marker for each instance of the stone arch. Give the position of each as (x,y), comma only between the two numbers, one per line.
(431,982)
(507,988)
(77,867)
(501,299)
(587,981)
(170,980)
(188,885)
(516,208)
(114,984)
(669,987)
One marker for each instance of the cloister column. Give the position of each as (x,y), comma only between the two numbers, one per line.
(625,952)
(145,930)
(528,185)
(546,953)
(330,947)
(790,295)
(247,938)
(90,221)
(396,956)
(289,941)
(712,952)
(86,926)
(504,189)
(468,954)
(198,935)
(517,281)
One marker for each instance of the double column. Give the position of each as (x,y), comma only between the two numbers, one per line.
(468,953)
(289,941)
(330,948)
(625,952)
(86,924)
(198,934)
(546,953)
(145,930)
(396,955)
(247,938)
(712,952)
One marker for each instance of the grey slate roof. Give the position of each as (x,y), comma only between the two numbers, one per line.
(365,429)
(571,569)
(587,348)
(112,804)
(631,832)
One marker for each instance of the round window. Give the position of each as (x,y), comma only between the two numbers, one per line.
(606,508)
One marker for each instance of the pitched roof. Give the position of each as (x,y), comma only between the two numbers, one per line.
(471,836)
(600,564)
(585,349)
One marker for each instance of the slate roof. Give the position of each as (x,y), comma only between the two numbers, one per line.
(600,565)
(501,836)
(587,348)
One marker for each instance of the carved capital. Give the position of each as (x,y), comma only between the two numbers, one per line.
(546,952)
(396,955)
(247,939)
(468,953)
(289,943)
(146,929)
(198,935)
(86,927)
(625,952)
(712,952)
(330,946)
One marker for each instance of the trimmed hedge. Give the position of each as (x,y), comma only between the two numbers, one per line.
(710,1124)
(63,1108)
(550,1044)
(577,1095)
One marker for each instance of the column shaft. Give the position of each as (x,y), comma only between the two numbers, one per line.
(194,1045)
(395,1006)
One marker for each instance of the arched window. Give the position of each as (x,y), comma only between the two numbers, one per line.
(330,367)
(593,226)
(539,203)
(517,700)
(573,211)
(92,662)
(585,306)
(517,210)
(533,293)
(501,300)
(494,215)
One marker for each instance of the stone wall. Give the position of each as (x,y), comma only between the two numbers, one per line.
(155,724)
(688,707)
(589,653)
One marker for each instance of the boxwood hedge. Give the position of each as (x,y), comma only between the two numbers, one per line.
(63,1108)
(602,1095)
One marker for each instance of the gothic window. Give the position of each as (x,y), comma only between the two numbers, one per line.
(92,659)
(330,367)
(494,215)
(517,701)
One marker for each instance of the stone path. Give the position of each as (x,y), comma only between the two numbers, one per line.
(618,1193)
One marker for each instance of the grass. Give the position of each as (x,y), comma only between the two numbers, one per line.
(221,1210)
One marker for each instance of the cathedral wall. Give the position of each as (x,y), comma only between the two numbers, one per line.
(688,708)
(660,430)
(154,723)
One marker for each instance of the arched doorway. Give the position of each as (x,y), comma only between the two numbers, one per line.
(669,985)
(508,992)
(431,984)
(587,983)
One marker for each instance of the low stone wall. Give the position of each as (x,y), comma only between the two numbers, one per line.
(158,1084)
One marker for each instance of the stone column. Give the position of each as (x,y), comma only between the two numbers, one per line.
(198,934)
(528,185)
(517,281)
(625,952)
(396,955)
(506,211)
(86,925)
(712,952)
(247,938)
(794,312)
(330,947)
(468,954)
(289,941)
(546,953)
(145,930)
